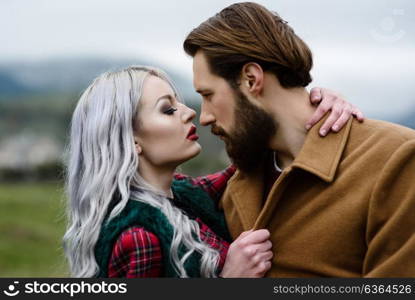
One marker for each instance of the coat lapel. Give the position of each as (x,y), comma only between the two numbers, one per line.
(245,194)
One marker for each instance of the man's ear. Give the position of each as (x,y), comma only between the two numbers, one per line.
(252,78)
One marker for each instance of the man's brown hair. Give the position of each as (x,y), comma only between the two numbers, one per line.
(248,32)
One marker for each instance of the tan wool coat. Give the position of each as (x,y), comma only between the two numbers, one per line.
(344,208)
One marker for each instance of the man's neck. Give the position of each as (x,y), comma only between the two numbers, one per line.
(159,178)
(291,109)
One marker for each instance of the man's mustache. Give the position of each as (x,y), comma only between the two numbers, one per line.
(216,130)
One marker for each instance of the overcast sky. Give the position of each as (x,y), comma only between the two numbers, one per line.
(364,49)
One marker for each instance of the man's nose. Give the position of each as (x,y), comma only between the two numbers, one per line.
(206,117)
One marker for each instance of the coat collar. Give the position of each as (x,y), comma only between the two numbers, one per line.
(321,155)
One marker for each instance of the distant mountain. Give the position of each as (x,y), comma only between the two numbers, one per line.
(9,85)
(70,75)
(408,120)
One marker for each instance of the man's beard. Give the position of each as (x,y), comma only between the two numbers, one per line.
(247,144)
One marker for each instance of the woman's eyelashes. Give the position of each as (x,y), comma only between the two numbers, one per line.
(169,111)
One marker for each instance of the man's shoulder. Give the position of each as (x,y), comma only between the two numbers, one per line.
(379,134)
(387,128)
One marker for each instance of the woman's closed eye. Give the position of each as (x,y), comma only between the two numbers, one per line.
(169,111)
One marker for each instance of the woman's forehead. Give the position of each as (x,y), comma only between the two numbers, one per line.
(154,89)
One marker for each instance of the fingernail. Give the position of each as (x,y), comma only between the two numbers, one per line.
(308,126)
(323,132)
(335,127)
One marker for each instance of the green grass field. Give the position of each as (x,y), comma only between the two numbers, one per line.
(31,228)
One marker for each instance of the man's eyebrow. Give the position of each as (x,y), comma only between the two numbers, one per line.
(201,91)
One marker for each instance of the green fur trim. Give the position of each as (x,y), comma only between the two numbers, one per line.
(204,207)
(152,219)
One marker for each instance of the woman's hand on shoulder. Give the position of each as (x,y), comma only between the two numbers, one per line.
(340,110)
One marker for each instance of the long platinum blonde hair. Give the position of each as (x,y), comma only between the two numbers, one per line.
(102,160)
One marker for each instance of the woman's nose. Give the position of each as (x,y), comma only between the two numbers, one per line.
(188,114)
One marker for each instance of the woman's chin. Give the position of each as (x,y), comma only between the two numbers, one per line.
(194,150)
(187,155)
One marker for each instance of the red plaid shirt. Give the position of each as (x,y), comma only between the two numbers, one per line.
(137,251)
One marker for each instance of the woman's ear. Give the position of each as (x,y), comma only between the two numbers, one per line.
(138,147)
(253,78)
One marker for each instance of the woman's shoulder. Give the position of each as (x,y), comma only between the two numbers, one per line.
(136,253)
(136,237)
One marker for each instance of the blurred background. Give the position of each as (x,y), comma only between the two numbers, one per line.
(51,50)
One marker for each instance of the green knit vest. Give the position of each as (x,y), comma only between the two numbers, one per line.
(136,213)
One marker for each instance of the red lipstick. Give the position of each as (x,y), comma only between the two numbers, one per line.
(192,134)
